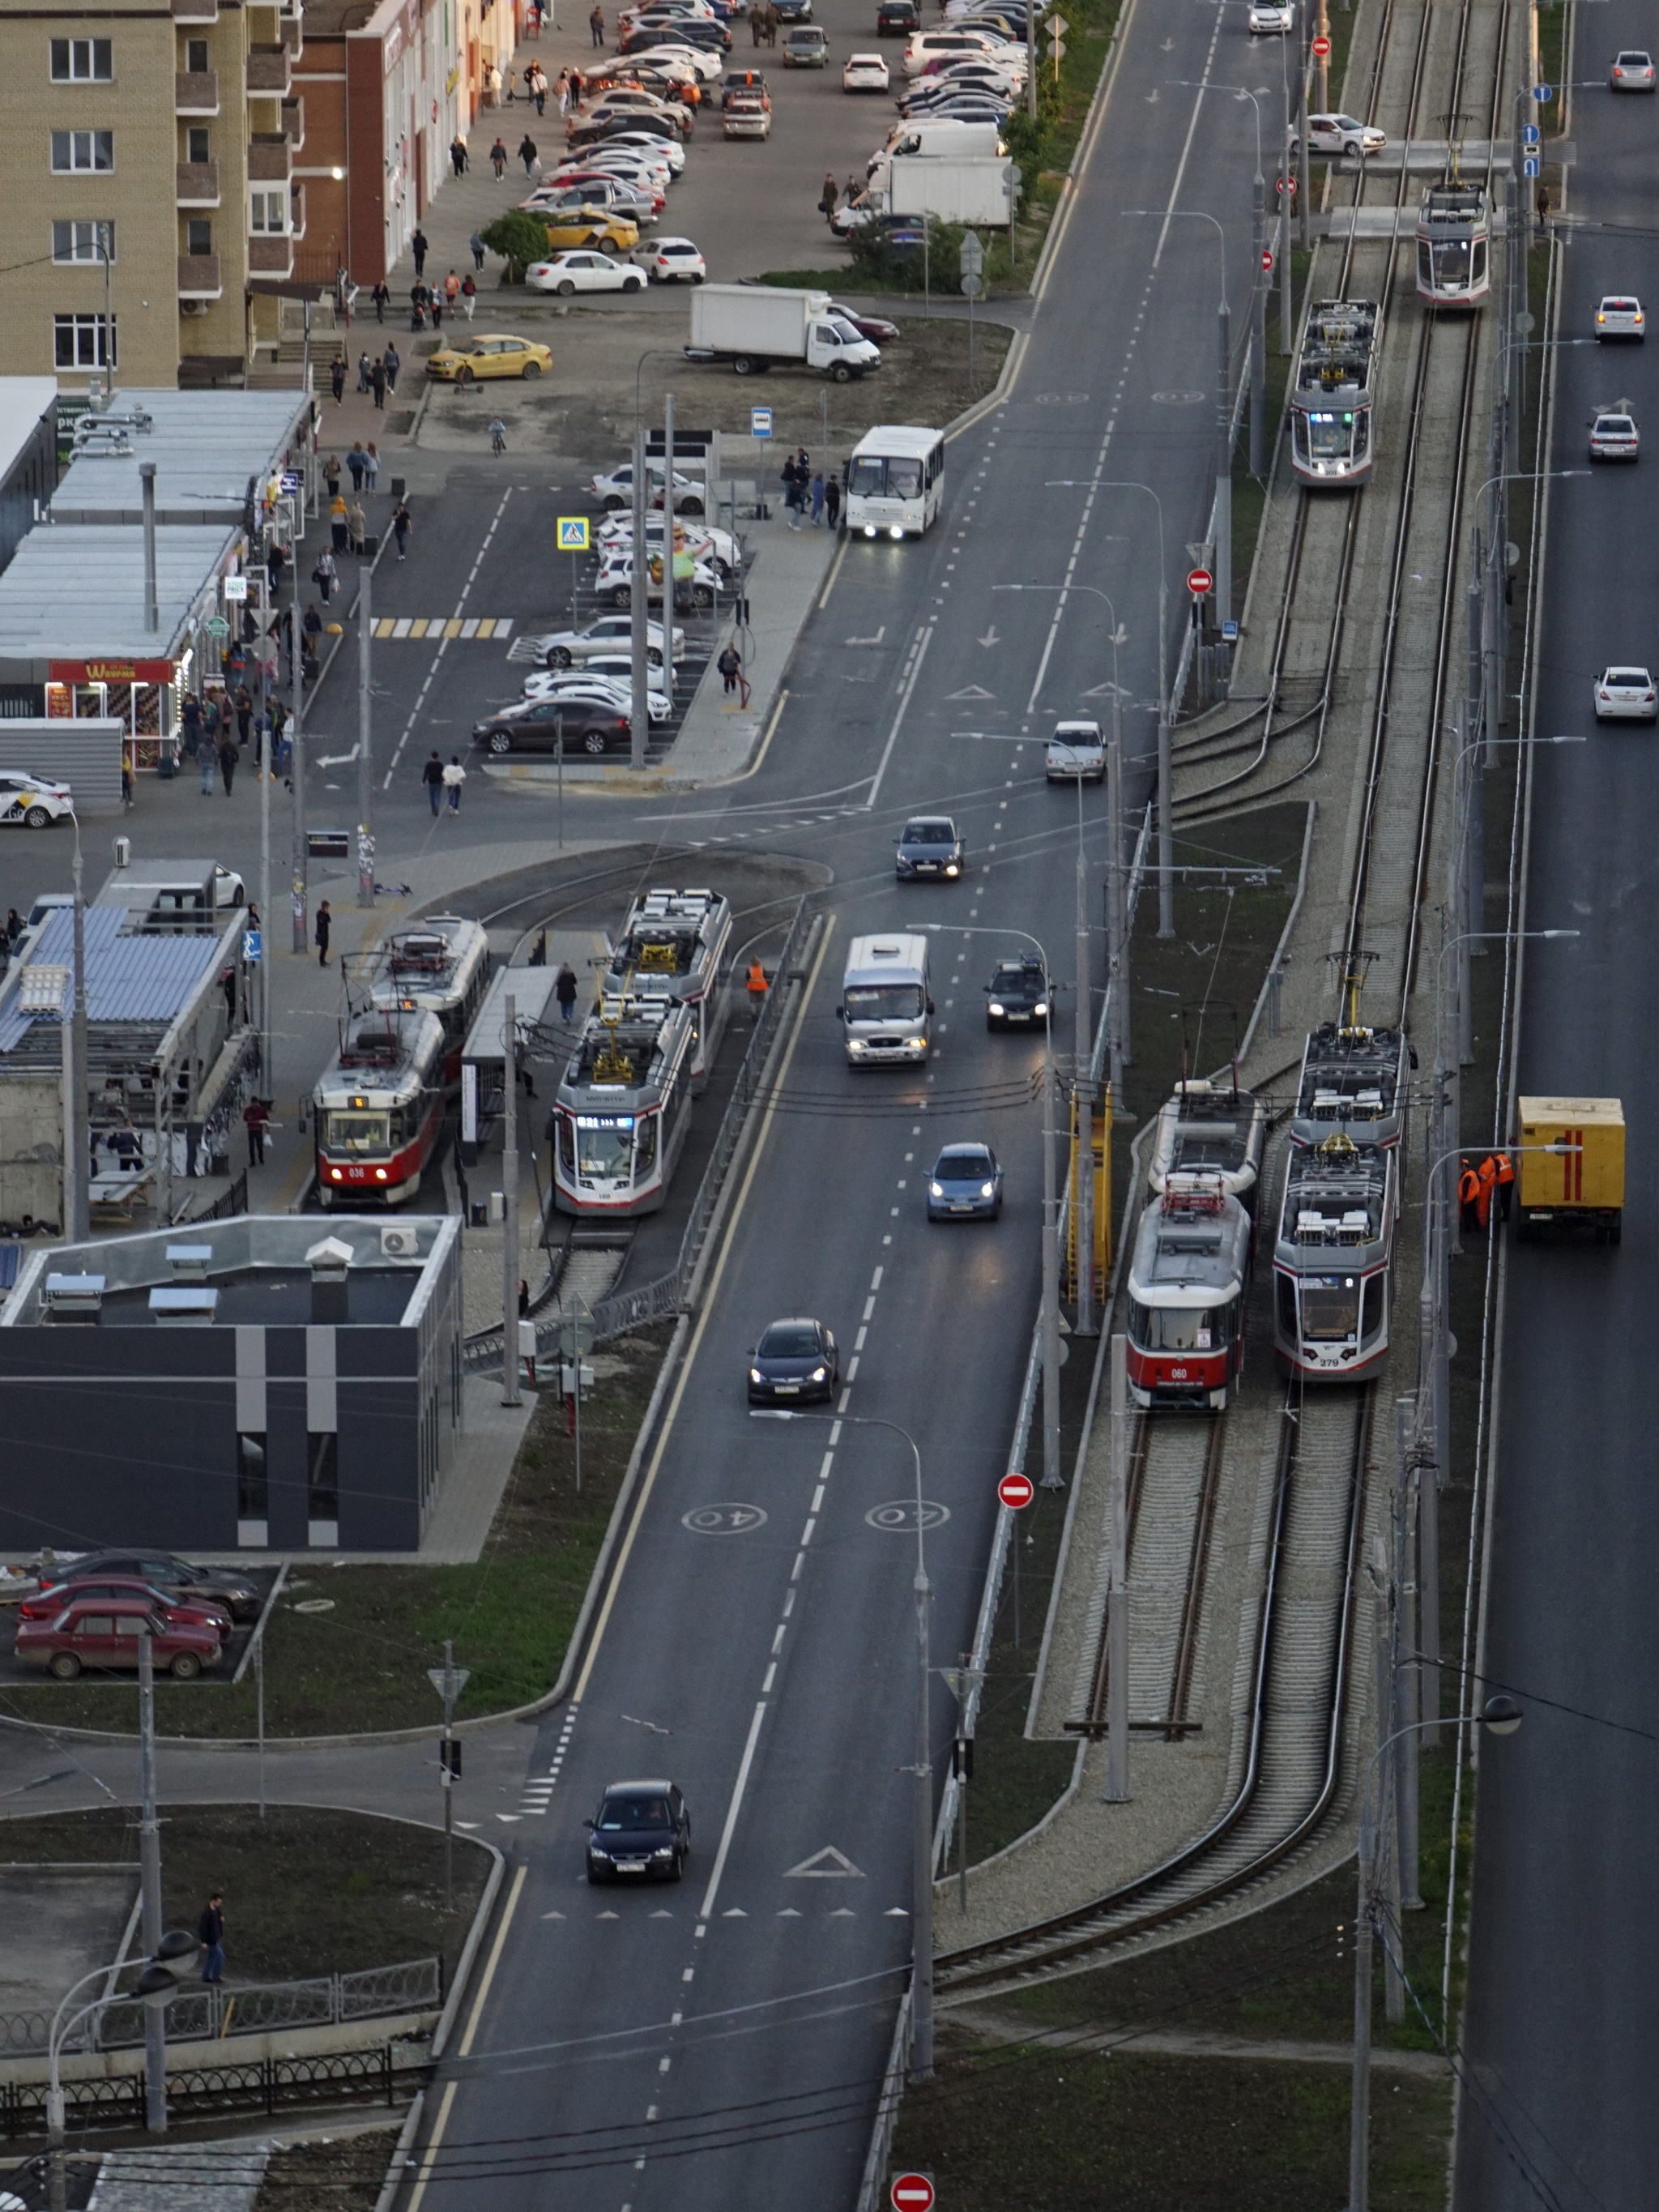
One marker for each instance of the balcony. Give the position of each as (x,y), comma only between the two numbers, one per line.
(293,122)
(270,72)
(199,185)
(196,92)
(269,158)
(292,30)
(195,11)
(270,257)
(199,278)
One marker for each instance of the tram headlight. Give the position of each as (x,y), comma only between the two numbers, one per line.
(380,1174)
(870,527)
(338,1174)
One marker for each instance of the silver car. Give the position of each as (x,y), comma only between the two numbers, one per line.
(1619,316)
(1340,134)
(1631,72)
(1264,17)
(1614,436)
(610,634)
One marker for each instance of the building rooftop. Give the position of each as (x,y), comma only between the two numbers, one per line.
(141,983)
(72,594)
(23,401)
(205,445)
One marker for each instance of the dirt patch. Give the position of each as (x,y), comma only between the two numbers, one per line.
(344,2172)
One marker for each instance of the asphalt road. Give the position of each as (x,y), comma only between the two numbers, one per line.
(770,1669)
(1562,2036)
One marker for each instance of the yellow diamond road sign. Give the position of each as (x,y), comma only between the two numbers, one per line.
(573,533)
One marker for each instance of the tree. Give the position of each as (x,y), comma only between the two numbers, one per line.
(519,239)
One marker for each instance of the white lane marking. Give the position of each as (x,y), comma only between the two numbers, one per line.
(904,702)
(731,1810)
(875,1280)
(771,1677)
(443,645)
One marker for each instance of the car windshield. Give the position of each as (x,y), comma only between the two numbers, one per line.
(619,1812)
(1009,981)
(1180,1329)
(1346,123)
(962,1166)
(605,1152)
(883,1002)
(793,1339)
(1627,678)
(928,833)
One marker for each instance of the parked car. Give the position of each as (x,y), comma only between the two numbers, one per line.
(176,1578)
(929,845)
(37,802)
(741,81)
(805,48)
(47,1604)
(966,1184)
(582,272)
(615,578)
(864,73)
(581,688)
(615,490)
(492,353)
(876,328)
(642,1831)
(94,1632)
(535,726)
(1017,996)
(591,188)
(795,1358)
(748,115)
(608,633)
(673,261)
(573,227)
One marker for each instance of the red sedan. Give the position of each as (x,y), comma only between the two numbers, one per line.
(202,1613)
(94,1632)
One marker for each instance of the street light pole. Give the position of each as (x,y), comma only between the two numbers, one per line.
(297,774)
(1083,1190)
(640,612)
(150,1887)
(364,727)
(77,1166)
(1117,1588)
(510,1395)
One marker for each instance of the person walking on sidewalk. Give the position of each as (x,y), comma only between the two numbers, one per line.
(431,775)
(828,196)
(371,467)
(336,521)
(452,288)
(336,378)
(458,154)
(210,1935)
(324,923)
(729,666)
(381,295)
(818,500)
(401,526)
(527,153)
(498,162)
(229,758)
(596,26)
(357,459)
(362,372)
(469,295)
(419,246)
(455,776)
(475,248)
(564,990)
(394,361)
(357,527)
(257,1114)
(756,987)
(377,377)
(207,759)
(832,500)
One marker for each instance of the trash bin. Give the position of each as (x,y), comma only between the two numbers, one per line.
(165,766)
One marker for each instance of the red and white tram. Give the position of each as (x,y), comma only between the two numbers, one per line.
(1188,1283)
(379,1107)
(442,968)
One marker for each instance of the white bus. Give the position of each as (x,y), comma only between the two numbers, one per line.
(895,481)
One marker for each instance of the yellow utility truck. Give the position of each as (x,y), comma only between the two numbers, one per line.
(1579,1181)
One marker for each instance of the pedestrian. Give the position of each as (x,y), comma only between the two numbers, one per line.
(828,196)
(852,190)
(563,89)
(371,467)
(337,522)
(377,378)
(527,153)
(189,717)
(401,526)
(728,665)
(325,575)
(1505,1185)
(818,500)
(229,758)
(469,295)
(493,83)
(324,923)
(458,154)
(1487,1174)
(539,86)
(207,759)
(244,714)
(454,777)
(337,378)
(771,22)
(331,474)
(14,930)
(498,436)
(832,500)
(596,26)
(1543,205)
(431,775)
(498,162)
(417,246)
(757,21)
(394,361)
(564,990)
(452,288)
(381,295)
(357,527)
(210,1935)
(1468,1199)
(275,561)
(756,987)
(257,1114)
(362,372)
(437,312)
(357,459)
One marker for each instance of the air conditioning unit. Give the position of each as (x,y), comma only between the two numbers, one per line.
(123,851)
(193,306)
(400,1243)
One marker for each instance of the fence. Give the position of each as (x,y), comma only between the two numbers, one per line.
(267,2085)
(656,1300)
(234,1200)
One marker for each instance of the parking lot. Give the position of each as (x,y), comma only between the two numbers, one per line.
(13,1671)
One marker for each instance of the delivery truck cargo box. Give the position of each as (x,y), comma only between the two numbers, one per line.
(1581,1185)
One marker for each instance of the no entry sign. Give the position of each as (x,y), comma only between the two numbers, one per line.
(1321,46)
(912,2193)
(1199,582)
(1014,1491)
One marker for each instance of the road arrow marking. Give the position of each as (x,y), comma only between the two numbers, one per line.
(826,1864)
(876,639)
(734,1912)
(990,638)
(971,690)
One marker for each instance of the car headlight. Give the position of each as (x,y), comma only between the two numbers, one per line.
(1040,1007)
(895,532)
(952,867)
(916,1043)
(936,1190)
(666,1852)
(755,1375)
(995,1007)
(987,1190)
(820,1375)
(598,1851)
(855,1044)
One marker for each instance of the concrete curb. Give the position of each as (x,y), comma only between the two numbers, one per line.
(396,2163)
(469,1949)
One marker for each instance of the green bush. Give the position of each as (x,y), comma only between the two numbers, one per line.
(519,239)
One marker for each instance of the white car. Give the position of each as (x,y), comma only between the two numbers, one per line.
(1077,754)
(580,271)
(587,690)
(1340,134)
(648,142)
(1614,436)
(616,489)
(718,547)
(1631,72)
(704,65)
(610,634)
(1619,316)
(1265,15)
(864,73)
(1625,694)
(673,261)
(616,576)
(36,801)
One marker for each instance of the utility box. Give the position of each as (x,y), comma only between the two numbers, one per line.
(1579,1188)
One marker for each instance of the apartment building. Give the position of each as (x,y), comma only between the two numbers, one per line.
(147,162)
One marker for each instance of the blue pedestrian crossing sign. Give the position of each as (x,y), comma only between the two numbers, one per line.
(759,421)
(573,533)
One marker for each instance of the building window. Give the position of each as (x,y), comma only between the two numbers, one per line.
(195,57)
(198,143)
(79,342)
(322,1487)
(82,149)
(267,213)
(82,61)
(198,233)
(252,1489)
(79,242)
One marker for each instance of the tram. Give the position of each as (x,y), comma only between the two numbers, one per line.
(1210,1129)
(1187,1286)
(1454,244)
(675,942)
(1331,398)
(624,1107)
(1353,1084)
(1331,1260)
(379,1107)
(443,968)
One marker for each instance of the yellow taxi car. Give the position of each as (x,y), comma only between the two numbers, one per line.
(591,226)
(492,353)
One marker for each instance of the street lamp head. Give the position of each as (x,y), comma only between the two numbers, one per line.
(1500,1716)
(772,1413)
(1558,932)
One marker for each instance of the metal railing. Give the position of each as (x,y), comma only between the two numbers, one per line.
(266,2085)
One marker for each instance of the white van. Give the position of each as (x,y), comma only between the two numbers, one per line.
(934,134)
(885,1005)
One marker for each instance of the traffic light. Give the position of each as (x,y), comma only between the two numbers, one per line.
(449,1755)
(962,1757)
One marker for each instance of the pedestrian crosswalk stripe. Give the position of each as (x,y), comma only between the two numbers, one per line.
(446,626)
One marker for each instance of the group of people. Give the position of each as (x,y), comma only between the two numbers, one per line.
(764,23)
(217,728)
(810,492)
(443,781)
(1477,1186)
(377,375)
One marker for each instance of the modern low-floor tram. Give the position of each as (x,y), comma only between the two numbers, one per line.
(1332,393)
(1353,1084)
(623,1109)
(1331,1260)
(1188,1283)
(1454,244)
(675,942)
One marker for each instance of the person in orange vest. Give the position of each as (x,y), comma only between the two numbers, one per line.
(757,987)
(1487,1178)
(1505,1185)
(1469,1198)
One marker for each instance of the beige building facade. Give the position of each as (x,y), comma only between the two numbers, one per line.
(146,161)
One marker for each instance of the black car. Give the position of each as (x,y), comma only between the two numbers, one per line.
(1017,996)
(873,327)
(174,1577)
(641,1832)
(897,18)
(534,728)
(794,1359)
(929,846)
(611,126)
(794,11)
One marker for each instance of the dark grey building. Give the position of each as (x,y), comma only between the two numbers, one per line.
(266,1382)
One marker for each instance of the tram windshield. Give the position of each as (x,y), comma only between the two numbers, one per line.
(1330,1306)
(1182,1328)
(883,1002)
(357,1133)
(1452,261)
(605,1152)
(1329,437)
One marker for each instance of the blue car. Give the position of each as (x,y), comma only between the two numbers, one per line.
(928,845)
(966,1184)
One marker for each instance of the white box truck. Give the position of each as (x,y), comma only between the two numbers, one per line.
(979,191)
(753,326)
(938,134)
(885,1006)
